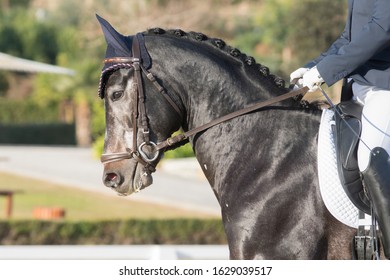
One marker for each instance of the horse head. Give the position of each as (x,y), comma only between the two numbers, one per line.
(137,115)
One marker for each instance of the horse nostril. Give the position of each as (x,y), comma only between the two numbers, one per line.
(111,176)
(112,180)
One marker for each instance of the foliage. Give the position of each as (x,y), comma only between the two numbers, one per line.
(99,121)
(19,3)
(296,26)
(313,32)
(22,35)
(182,151)
(3,84)
(98,146)
(174,231)
(18,111)
(274,21)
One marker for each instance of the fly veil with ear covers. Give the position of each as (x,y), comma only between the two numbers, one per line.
(119,46)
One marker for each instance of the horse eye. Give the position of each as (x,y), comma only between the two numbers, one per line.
(116,95)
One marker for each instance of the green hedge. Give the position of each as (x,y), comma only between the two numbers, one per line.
(39,134)
(27,111)
(175,231)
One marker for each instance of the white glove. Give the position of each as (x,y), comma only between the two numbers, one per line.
(297,75)
(312,79)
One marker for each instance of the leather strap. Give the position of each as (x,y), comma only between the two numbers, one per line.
(181,137)
(162,90)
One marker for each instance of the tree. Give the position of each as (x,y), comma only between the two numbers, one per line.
(314,26)
(295,32)
(4,85)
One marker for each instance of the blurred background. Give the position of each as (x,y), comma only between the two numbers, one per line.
(52,122)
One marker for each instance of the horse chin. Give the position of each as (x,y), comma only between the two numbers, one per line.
(142,178)
(135,181)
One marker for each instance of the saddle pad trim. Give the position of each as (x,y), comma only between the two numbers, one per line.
(333,194)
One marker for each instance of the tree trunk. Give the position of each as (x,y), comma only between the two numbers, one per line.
(83,124)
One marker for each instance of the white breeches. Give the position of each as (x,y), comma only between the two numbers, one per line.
(375,120)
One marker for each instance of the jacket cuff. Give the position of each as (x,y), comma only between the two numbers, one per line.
(329,77)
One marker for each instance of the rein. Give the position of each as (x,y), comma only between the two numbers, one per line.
(138,153)
(183,136)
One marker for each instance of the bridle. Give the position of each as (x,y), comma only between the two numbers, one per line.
(139,111)
(138,152)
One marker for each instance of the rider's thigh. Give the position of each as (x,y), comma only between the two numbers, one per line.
(375,121)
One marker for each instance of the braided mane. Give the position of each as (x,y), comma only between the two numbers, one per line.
(221,45)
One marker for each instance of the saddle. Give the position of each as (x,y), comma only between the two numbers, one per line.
(341,183)
(347,130)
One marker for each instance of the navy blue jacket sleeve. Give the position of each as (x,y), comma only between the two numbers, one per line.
(374,37)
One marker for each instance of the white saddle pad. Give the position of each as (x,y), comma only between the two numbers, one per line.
(333,194)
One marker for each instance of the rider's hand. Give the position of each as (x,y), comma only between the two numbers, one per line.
(312,79)
(297,75)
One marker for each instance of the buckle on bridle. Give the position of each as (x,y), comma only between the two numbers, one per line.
(144,156)
(145,131)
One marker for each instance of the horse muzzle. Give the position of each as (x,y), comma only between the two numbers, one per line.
(128,179)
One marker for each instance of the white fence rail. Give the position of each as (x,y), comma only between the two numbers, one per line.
(117,252)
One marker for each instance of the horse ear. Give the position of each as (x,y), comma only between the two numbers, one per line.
(118,44)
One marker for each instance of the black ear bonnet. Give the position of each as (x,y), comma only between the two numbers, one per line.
(119,46)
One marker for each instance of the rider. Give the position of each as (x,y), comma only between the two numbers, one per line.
(362,54)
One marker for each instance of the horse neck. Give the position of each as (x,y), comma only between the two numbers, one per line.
(209,82)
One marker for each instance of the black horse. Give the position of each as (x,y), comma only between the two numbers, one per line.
(262,166)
